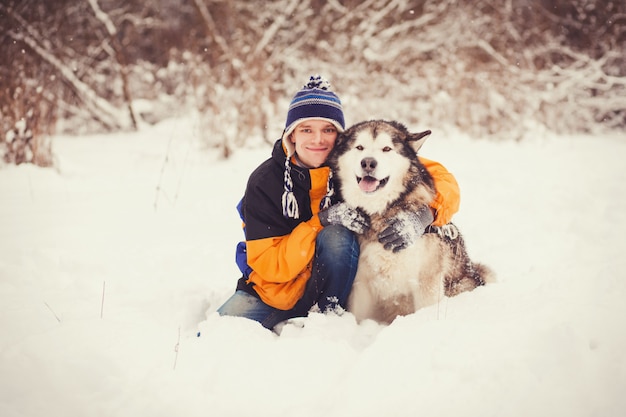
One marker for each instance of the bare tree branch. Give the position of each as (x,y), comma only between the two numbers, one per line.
(119,56)
(101,109)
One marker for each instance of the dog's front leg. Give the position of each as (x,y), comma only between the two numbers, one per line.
(360,302)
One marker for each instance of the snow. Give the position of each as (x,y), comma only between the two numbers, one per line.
(112,267)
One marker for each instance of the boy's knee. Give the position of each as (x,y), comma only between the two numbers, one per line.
(336,238)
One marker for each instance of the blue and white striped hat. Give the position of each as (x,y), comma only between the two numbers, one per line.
(314,101)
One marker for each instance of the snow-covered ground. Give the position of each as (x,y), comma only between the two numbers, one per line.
(112,267)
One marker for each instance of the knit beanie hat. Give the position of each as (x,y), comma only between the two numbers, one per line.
(314,101)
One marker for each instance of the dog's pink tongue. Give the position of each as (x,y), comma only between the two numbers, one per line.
(368,184)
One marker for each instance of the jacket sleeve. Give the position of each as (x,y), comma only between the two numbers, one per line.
(448,198)
(278,249)
(283,258)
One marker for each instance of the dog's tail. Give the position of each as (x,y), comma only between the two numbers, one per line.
(484,274)
(476,275)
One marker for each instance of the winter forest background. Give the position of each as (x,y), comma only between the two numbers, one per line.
(491,68)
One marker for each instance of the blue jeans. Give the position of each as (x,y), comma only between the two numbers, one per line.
(334,268)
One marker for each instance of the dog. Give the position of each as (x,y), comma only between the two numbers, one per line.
(376,169)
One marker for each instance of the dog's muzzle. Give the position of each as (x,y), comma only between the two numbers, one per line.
(368,183)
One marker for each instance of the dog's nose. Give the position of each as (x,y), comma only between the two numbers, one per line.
(368,164)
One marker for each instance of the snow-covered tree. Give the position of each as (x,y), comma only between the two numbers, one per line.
(491,68)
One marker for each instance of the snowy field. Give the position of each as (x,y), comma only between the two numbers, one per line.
(112,267)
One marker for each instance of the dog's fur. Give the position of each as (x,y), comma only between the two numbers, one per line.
(390,284)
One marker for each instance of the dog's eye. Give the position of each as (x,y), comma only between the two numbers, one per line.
(360,147)
(386,149)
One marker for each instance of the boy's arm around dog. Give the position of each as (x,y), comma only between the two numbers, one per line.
(448,198)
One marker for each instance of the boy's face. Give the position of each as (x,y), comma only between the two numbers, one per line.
(314,139)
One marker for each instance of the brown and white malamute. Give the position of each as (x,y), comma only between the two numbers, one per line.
(375,167)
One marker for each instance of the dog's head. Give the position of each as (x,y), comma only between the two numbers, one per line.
(374,162)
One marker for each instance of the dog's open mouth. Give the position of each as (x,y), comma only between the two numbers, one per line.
(369,184)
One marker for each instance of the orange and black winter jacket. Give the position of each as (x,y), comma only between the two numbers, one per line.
(279,250)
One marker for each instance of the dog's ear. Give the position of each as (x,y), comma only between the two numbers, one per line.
(417,139)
